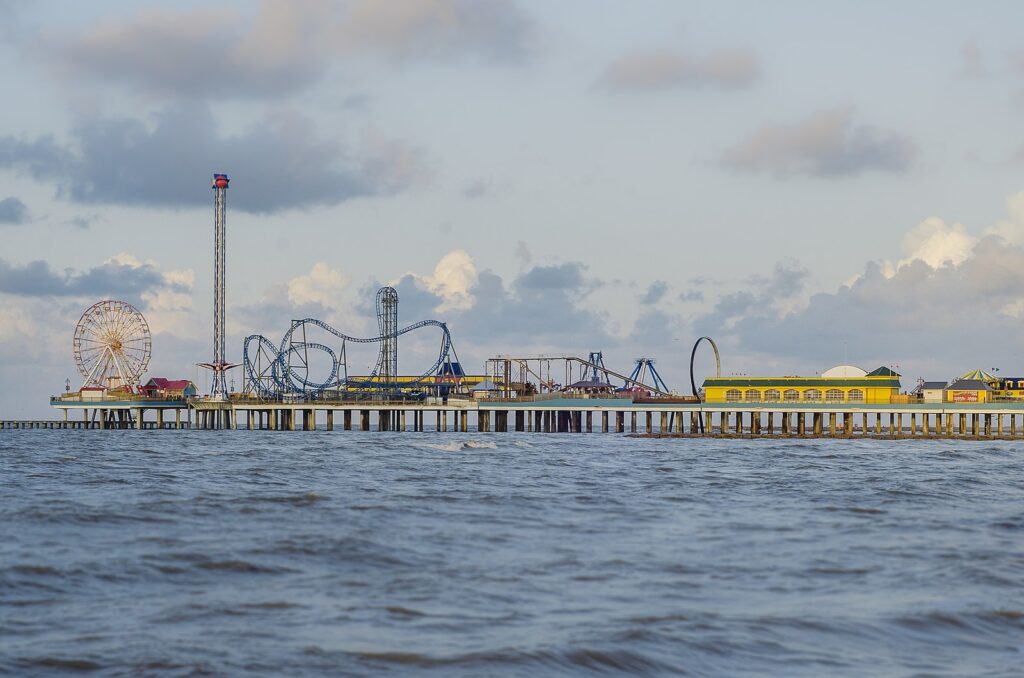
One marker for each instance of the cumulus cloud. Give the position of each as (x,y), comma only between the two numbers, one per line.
(452,281)
(938,244)
(122,276)
(655,292)
(174,295)
(523,253)
(277,163)
(12,211)
(691,296)
(539,310)
(438,29)
(36,278)
(1011,229)
(955,301)
(322,285)
(786,280)
(209,51)
(935,243)
(216,52)
(827,144)
(663,69)
(767,296)
(16,323)
(952,315)
(565,276)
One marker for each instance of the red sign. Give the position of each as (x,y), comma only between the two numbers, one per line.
(965,396)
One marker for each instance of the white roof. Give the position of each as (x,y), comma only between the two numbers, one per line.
(844,372)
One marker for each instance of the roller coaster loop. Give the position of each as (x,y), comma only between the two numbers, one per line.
(269,369)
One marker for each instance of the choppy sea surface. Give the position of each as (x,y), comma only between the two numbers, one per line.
(314,553)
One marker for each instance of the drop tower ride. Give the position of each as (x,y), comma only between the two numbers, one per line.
(219,388)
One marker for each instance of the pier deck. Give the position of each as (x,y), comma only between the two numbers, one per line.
(558,414)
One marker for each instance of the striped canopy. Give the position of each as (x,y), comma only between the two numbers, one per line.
(980,375)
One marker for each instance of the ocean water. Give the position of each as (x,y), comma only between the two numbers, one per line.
(307,554)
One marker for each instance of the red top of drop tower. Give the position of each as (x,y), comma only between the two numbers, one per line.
(220,181)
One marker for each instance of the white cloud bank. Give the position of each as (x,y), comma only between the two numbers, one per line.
(953,302)
(322,285)
(453,280)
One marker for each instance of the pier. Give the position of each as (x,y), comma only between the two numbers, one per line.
(562,414)
(114,413)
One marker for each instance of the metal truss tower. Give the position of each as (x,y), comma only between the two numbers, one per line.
(387,321)
(597,370)
(644,369)
(219,389)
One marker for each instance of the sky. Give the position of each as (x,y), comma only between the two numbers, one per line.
(807,183)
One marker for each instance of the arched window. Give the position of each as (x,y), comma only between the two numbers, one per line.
(733,395)
(772,395)
(812,395)
(855,395)
(833,395)
(791,395)
(752,396)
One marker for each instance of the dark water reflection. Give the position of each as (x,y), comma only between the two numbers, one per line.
(200,553)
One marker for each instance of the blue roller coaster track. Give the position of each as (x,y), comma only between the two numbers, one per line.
(283,370)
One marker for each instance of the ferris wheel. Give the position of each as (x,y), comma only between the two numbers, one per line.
(112,345)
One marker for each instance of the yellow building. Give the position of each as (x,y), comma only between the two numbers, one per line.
(842,384)
(1002,388)
(968,391)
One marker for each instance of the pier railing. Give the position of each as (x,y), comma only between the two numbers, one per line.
(122,398)
(541,397)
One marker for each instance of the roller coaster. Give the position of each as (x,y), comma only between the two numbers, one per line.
(285,371)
